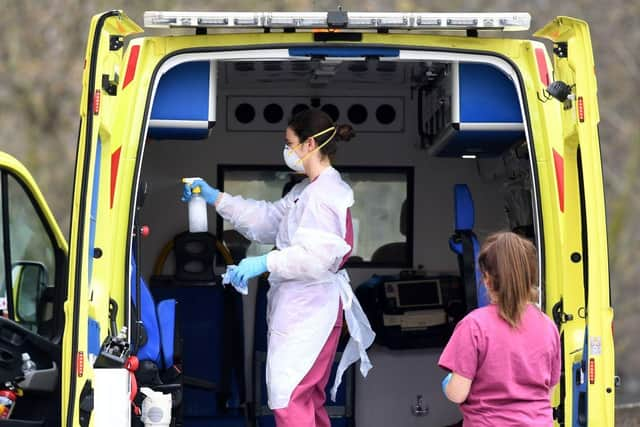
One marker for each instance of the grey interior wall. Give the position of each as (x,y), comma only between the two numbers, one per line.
(397,376)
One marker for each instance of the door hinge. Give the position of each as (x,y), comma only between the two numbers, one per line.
(110,86)
(561,49)
(116,42)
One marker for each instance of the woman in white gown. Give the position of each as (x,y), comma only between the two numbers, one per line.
(312,232)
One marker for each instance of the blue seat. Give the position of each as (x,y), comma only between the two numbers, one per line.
(464,244)
(341,412)
(159,325)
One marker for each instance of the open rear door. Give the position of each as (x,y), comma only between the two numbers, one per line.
(100,84)
(591,399)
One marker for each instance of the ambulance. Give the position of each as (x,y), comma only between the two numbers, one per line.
(465,123)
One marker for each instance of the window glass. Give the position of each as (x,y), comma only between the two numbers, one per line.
(32,254)
(380,215)
(379,227)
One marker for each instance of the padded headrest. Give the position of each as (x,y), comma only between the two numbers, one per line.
(463,205)
(185,102)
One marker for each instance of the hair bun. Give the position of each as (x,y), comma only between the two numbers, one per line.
(345,132)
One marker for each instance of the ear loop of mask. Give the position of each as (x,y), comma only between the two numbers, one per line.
(332,128)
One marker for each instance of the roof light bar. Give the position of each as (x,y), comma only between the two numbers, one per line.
(356,20)
(296,20)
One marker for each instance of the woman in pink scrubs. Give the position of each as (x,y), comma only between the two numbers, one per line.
(504,359)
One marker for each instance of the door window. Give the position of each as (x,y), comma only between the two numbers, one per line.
(28,259)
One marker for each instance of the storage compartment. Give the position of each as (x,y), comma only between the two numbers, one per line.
(472,110)
(184,106)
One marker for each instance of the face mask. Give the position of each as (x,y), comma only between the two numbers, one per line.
(292,160)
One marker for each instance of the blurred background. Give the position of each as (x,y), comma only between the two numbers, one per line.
(42,52)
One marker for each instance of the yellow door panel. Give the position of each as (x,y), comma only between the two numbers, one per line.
(101,82)
(584,196)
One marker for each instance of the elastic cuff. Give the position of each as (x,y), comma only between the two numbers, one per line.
(272,260)
(218,200)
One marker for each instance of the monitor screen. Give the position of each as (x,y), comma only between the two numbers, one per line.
(419,293)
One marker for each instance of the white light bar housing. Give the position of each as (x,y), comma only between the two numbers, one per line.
(355,20)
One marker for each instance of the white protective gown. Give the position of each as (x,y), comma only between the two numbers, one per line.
(308,227)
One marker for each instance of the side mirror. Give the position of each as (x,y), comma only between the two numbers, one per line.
(29,283)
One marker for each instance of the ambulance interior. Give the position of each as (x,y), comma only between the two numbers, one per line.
(440,160)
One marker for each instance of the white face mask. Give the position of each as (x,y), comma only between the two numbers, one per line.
(292,160)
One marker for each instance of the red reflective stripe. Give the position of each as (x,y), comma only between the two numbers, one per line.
(131,66)
(115,162)
(558,161)
(592,371)
(348,237)
(542,66)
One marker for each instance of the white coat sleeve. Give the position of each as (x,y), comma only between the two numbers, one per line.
(257,220)
(317,246)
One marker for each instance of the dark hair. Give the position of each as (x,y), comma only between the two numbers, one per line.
(312,121)
(511,263)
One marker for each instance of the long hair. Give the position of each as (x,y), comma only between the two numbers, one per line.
(510,261)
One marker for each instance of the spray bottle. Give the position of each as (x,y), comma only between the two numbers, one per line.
(197,209)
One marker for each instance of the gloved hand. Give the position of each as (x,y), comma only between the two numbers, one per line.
(247,269)
(209,193)
(445,382)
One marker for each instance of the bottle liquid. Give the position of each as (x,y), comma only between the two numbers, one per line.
(197,209)
(28,365)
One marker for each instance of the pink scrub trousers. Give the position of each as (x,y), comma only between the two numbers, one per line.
(306,407)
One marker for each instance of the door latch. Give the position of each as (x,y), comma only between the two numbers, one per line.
(420,409)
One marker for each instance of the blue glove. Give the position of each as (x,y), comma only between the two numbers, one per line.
(209,193)
(445,382)
(247,269)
